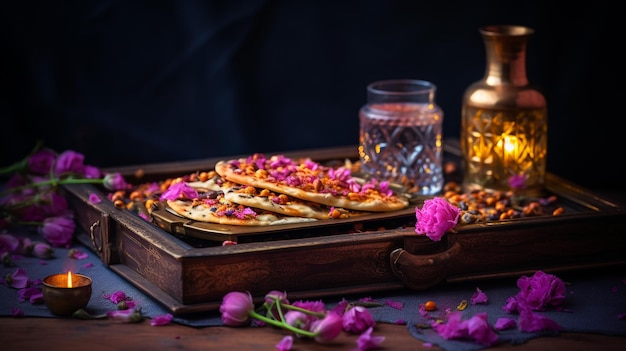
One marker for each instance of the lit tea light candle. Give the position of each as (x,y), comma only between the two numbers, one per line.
(65,293)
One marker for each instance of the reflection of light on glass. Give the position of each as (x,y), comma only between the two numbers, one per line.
(508,147)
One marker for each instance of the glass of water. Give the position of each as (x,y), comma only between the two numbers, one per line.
(400,136)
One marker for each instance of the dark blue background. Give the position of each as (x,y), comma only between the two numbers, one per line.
(132,82)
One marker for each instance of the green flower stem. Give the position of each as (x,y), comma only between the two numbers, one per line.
(296,308)
(276,323)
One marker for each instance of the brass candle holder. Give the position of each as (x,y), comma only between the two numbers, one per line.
(65,293)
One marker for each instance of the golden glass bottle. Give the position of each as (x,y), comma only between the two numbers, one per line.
(504,125)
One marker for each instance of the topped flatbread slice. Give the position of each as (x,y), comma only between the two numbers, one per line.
(311,181)
(212,207)
(271,201)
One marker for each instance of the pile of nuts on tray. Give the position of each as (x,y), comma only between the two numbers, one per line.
(481,206)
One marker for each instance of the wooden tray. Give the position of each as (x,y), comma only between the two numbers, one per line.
(188,277)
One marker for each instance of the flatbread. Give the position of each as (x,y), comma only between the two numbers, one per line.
(271,201)
(216,209)
(310,181)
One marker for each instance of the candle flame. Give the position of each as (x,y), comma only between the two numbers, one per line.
(69,279)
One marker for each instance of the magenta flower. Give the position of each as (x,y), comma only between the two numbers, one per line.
(529,321)
(477,328)
(18,279)
(114,181)
(504,323)
(299,319)
(126,316)
(91,172)
(77,254)
(58,231)
(236,307)
(327,328)
(161,320)
(357,319)
(116,297)
(479,297)
(69,162)
(540,291)
(41,162)
(33,294)
(177,189)
(285,343)
(94,198)
(436,217)
(9,243)
(42,250)
(366,341)
(517,182)
(53,204)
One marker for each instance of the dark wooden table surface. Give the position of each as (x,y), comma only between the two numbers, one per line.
(73,334)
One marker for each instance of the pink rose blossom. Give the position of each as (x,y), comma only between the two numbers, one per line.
(541,290)
(236,307)
(41,162)
(115,181)
(42,250)
(69,162)
(357,320)
(327,328)
(436,217)
(58,231)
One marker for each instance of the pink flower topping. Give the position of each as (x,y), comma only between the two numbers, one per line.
(436,217)
(175,191)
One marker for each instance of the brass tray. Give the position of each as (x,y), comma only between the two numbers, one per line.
(189,274)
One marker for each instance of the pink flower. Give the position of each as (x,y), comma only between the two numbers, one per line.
(58,231)
(357,320)
(18,279)
(436,217)
(479,297)
(541,290)
(69,162)
(517,182)
(477,328)
(285,343)
(114,181)
(126,316)
(177,189)
(53,204)
(236,307)
(529,321)
(9,243)
(366,341)
(41,162)
(327,328)
(91,172)
(298,319)
(504,323)
(42,250)
(77,254)
(161,320)
(116,297)
(94,198)
(33,294)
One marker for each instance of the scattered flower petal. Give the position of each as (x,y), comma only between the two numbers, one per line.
(161,320)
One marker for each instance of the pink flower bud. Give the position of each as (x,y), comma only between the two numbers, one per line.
(126,316)
(114,181)
(41,162)
(42,250)
(18,279)
(328,328)
(58,231)
(236,307)
(357,320)
(69,162)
